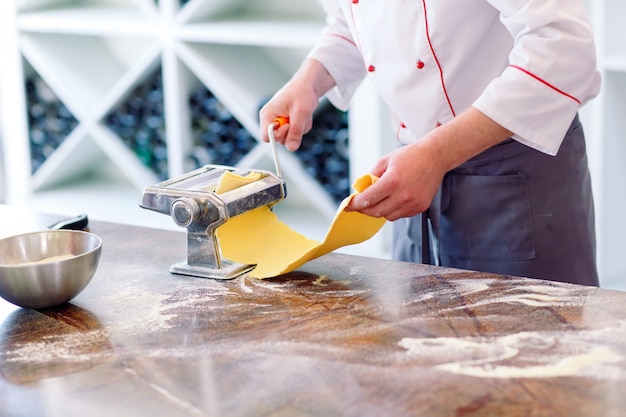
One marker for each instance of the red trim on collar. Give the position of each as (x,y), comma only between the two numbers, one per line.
(432,50)
(541,80)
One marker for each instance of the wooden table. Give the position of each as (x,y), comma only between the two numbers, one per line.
(343,336)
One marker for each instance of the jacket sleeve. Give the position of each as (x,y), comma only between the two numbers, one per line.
(338,52)
(552,71)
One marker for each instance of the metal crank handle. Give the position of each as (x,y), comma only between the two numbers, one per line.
(278,122)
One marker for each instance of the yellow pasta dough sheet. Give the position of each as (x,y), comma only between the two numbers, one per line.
(259,238)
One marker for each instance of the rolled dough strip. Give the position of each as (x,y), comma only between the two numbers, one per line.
(260,238)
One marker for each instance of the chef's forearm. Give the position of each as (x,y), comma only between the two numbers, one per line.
(467,135)
(314,74)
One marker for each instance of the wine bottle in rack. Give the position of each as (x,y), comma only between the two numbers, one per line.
(139,122)
(218,137)
(324,151)
(49,120)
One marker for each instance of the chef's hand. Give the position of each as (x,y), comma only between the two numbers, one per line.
(297,105)
(409,178)
(296,101)
(411,175)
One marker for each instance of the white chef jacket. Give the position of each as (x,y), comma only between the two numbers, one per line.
(527,64)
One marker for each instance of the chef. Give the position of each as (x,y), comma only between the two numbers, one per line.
(491,169)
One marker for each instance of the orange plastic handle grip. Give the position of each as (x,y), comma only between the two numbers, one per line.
(279,121)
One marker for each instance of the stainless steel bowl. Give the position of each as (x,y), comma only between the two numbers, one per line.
(48,268)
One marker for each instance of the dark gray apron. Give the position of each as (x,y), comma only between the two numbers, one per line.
(511,210)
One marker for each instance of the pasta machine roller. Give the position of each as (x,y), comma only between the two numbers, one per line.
(192,203)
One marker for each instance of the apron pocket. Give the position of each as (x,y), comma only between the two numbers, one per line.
(487,218)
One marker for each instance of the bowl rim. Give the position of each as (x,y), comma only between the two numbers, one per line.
(56,231)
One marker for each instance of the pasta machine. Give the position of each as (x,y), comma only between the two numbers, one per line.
(192,203)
